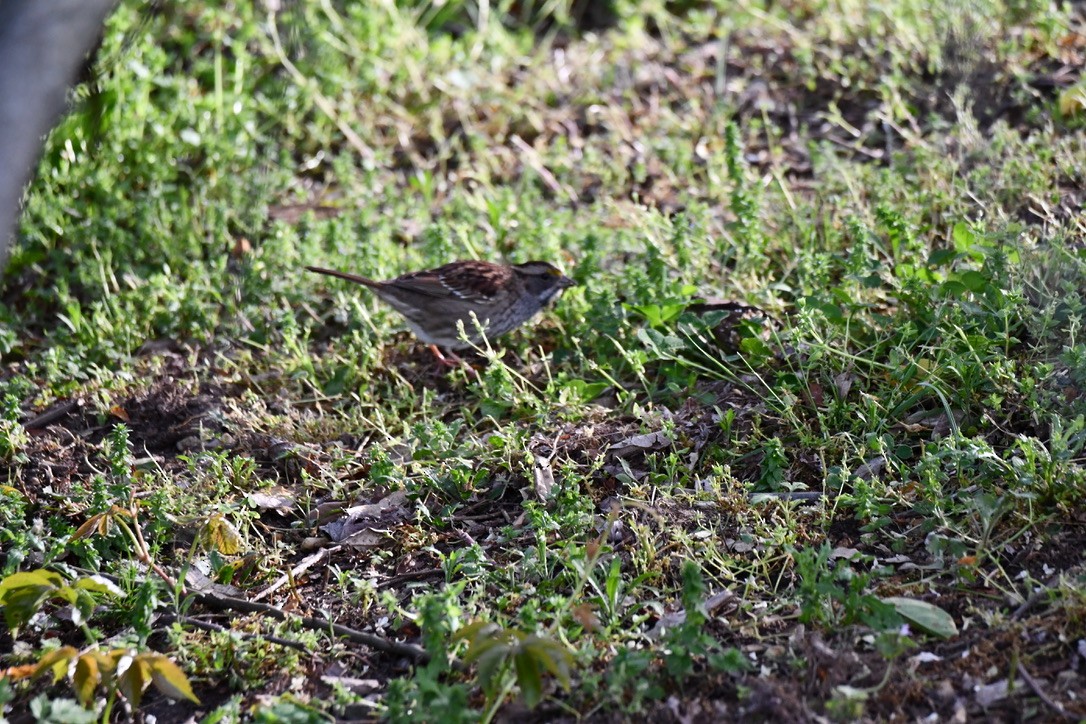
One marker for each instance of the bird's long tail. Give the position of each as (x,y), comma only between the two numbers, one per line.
(344,275)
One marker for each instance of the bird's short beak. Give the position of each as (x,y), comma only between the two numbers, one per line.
(566,282)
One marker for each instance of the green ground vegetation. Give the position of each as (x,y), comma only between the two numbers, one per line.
(642,505)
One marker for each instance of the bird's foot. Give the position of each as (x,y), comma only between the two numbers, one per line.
(452,360)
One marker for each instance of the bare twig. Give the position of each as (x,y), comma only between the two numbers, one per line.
(302,567)
(208,626)
(1034,599)
(1042,694)
(380,643)
(856,148)
(411,576)
(319,99)
(479,517)
(724,37)
(803,495)
(50,416)
(228,603)
(531,157)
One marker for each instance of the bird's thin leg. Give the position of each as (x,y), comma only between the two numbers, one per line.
(452,360)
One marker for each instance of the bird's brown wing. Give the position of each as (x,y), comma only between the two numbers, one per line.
(464,280)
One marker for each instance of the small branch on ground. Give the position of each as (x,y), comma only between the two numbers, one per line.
(216,628)
(1042,694)
(228,603)
(1034,599)
(411,576)
(302,567)
(50,416)
(532,159)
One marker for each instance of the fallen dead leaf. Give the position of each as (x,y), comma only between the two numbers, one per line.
(544,479)
(366,538)
(871,468)
(845,553)
(362,526)
(649,442)
(586,616)
(988,694)
(375,510)
(277,498)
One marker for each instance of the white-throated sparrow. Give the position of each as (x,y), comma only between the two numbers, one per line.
(433,301)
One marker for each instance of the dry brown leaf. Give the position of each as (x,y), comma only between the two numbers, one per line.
(649,442)
(544,479)
(277,498)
